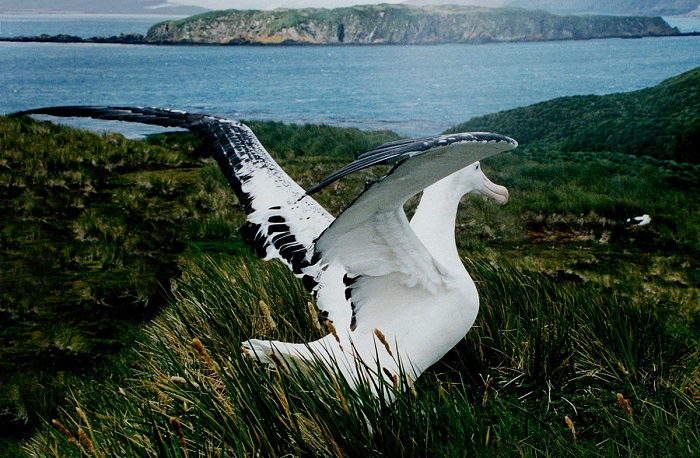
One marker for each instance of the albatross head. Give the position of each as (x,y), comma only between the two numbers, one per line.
(472,180)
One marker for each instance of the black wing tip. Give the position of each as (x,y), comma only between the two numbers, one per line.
(316,188)
(470,137)
(402,149)
(496,138)
(164,117)
(77,110)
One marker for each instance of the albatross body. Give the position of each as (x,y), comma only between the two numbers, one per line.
(643,220)
(419,300)
(396,294)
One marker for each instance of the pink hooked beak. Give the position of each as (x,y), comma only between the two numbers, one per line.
(495,191)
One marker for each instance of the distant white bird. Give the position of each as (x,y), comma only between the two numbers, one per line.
(639,220)
(396,293)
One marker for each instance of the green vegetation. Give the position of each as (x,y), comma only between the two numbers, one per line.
(94,229)
(125,293)
(662,122)
(398,24)
(542,351)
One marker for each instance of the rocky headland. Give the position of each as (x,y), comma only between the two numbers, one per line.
(382,24)
(399,24)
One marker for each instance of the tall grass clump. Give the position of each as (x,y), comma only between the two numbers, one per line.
(93,228)
(550,368)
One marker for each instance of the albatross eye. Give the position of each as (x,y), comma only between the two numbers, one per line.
(477,167)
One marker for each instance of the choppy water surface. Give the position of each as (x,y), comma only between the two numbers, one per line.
(414,90)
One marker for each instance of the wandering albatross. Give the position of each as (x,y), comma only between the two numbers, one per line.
(396,293)
(643,220)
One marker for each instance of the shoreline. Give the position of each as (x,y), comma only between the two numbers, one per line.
(139,39)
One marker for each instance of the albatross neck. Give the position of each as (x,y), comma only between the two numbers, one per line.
(434,222)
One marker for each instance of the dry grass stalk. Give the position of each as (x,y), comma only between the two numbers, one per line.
(313,311)
(63,430)
(87,442)
(211,370)
(489,384)
(343,401)
(278,362)
(268,316)
(570,424)
(178,379)
(331,329)
(644,404)
(203,354)
(382,339)
(624,404)
(177,427)
(247,354)
(314,433)
(411,385)
(159,437)
(81,434)
(83,417)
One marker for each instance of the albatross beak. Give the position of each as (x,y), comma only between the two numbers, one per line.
(496,192)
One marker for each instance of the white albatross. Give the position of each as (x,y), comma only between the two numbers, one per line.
(396,293)
(639,220)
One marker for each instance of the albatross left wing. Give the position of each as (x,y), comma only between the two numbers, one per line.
(283,221)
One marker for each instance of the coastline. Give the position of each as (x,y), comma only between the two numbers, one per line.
(350,26)
(139,39)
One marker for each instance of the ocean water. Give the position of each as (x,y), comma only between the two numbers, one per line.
(413,90)
(84,26)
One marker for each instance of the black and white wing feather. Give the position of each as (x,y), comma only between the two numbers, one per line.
(283,222)
(402,150)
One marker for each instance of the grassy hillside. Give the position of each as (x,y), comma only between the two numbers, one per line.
(588,340)
(93,230)
(662,122)
(553,367)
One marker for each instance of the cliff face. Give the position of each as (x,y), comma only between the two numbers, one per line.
(398,24)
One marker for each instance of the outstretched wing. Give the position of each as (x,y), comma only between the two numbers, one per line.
(402,150)
(283,221)
(372,238)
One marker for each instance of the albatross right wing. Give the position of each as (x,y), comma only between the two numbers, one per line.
(372,239)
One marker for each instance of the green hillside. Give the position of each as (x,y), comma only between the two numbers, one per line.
(662,122)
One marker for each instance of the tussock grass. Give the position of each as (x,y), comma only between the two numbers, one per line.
(659,123)
(576,308)
(550,368)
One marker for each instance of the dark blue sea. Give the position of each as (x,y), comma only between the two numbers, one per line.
(413,90)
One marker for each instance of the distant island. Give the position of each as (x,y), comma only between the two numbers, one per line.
(399,24)
(614,7)
(383,24)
